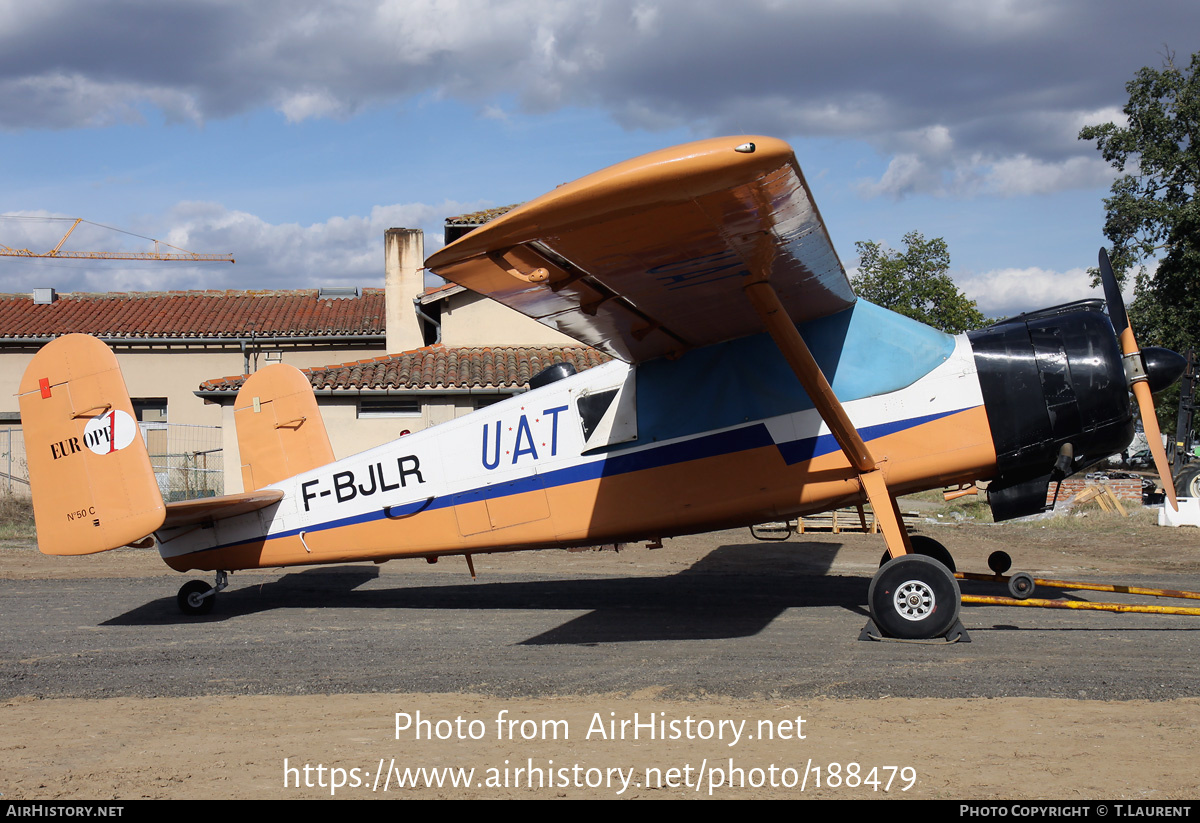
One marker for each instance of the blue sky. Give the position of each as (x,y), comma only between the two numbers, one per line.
(293,134)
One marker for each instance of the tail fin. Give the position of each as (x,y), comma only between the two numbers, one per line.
(93,487)
(279,427)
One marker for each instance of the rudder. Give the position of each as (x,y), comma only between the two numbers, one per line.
(89,472)
(280,431)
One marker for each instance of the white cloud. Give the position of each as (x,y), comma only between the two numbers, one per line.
(1021,174)
(1005,292)
(306,104)
(342,251)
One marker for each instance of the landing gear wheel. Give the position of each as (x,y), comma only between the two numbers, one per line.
(1187,482)
(928,547)
(1021,585)
(914,597)
(191,598)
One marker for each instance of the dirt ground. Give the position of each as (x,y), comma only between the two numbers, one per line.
(260,746)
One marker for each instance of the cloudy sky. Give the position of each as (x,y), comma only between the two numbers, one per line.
(292,134)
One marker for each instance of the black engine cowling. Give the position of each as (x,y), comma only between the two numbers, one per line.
(1050,378)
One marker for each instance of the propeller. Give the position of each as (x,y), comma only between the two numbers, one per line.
(1138,375)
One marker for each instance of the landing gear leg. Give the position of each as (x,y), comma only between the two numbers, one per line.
(197,597)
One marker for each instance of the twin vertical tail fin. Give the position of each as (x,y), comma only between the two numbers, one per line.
(279,427)
(89,472)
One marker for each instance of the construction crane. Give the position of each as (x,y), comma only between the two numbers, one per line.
(58,254)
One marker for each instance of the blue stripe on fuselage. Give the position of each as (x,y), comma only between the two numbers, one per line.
(746,438)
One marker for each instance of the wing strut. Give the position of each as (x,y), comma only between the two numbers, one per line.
(783,331)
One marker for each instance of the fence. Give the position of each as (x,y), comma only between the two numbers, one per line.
(14,472)
(187,460)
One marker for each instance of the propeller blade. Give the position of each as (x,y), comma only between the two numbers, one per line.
(1139,386)
(1112,295)
(1141,390)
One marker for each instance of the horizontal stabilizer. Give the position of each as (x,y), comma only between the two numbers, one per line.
(279,427)
(209,509)
(89,472)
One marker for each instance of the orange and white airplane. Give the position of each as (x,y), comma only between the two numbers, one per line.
(749,385)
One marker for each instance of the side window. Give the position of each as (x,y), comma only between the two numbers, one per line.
(608,414)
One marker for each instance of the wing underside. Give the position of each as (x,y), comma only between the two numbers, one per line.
(649,257)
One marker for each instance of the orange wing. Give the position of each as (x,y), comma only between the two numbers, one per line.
(647,258)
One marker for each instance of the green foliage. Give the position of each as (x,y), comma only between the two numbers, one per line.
(915,283)
(1159,161)
(1153,211)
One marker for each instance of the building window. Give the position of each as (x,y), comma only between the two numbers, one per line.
(389,407)
(150,409)
(151,414)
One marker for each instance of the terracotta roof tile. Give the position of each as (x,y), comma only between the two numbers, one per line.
(439,367)
(478,218)
(186,314)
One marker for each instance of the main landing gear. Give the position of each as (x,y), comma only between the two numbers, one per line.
(197,597)
(915,596)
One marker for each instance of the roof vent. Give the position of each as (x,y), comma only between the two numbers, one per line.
(44,297)
(339,292)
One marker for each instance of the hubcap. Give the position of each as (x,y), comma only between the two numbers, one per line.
(914,600)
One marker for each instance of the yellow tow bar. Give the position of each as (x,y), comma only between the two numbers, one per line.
(1081,604)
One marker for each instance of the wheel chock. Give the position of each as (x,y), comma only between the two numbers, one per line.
(956,634)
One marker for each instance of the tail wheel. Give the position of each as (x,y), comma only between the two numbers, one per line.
(928,547)
(914,597)
(1021,585)
(196,597)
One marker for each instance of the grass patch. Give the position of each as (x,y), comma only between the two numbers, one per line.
(16,519)
(970,508)
(933,504)
(1091,519)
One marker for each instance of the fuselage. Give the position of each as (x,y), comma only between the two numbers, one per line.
(722,436)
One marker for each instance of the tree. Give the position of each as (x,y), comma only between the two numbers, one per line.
(914,283)
(1153,213)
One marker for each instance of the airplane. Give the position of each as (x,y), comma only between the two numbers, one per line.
(749,384)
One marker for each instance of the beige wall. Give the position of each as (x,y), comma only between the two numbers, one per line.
(471,320)
(176,373)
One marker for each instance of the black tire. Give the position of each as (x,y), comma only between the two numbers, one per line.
(190,600)
(1021,585)
(1187,482)
(930,548)
(914,597)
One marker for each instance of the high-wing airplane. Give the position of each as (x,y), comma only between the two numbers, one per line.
(749,385)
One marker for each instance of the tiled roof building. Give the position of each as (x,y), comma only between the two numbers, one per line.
(168,343)
(437,367)
(186,315)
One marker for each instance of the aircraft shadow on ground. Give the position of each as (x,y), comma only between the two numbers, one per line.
(734,591)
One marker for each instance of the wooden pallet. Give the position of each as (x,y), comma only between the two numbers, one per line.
(859,519)
(1103,495)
